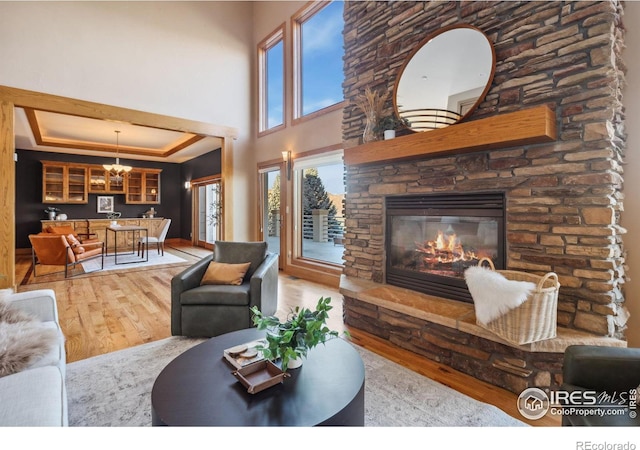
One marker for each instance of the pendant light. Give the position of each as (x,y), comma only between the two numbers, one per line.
(117,169)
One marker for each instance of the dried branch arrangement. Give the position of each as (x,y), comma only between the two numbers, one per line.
(371,103)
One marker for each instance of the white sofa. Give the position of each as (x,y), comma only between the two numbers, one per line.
(37,395)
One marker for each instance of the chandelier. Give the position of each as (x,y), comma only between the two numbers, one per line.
(117,170)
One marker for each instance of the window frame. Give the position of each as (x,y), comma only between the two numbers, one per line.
(275,37)
(297,21)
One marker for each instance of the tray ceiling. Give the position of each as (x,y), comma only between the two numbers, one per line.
(56,132)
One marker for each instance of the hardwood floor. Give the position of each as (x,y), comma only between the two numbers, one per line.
(111,310)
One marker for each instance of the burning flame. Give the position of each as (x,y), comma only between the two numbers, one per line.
(444,249)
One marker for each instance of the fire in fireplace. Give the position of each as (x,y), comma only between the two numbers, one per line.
(432,239)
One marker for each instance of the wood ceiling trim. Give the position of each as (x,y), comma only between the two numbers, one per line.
(101,148)
(64,105)
(185,144)
(34,124)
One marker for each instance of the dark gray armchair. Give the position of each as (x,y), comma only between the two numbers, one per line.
(211,310)
(611,370)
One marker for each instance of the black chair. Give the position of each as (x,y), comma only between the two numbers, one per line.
(210,310)
(611,372)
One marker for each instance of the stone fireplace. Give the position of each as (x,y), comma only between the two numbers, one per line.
(562,191)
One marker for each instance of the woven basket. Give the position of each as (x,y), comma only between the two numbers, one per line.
(536,318)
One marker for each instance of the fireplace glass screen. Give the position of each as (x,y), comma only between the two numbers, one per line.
(442,245)
(432,242)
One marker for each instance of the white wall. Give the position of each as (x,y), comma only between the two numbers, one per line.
(631,214)
(191,60)
(184,59)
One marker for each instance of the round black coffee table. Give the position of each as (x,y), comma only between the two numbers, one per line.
(198,389)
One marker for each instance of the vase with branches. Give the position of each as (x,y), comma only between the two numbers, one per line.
(371,104)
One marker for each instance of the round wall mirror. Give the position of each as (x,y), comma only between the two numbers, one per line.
(445,78)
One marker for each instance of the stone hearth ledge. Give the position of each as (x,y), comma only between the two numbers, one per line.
(458,315)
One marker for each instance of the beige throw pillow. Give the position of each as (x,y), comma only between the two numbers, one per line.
(223,273)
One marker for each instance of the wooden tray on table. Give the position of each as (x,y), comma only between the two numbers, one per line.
(259,376)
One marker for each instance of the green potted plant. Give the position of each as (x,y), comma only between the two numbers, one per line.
(388,125)
(290,340)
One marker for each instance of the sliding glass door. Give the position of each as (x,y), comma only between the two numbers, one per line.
(207,212)
(271,221)
(302,218)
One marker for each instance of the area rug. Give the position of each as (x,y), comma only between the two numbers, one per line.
(114,390)
(130,260)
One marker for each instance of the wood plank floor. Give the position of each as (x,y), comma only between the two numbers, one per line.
(111,310)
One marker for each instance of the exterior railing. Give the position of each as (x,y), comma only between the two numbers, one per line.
(318,226)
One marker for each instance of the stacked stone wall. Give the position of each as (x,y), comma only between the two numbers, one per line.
(564,199)
(502,365)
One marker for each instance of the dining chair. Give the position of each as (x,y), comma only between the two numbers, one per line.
(144,242)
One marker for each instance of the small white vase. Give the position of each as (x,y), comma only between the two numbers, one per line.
(294,363)
(389,134)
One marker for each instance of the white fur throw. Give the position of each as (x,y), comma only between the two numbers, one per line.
(23,340)
(4,293)
(493,294)
(11,314)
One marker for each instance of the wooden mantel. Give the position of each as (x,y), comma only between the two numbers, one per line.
(530,126)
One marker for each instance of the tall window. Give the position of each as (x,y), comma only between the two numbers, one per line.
(318,57)
(271,64)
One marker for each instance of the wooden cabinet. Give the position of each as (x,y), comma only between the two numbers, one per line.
(125,240)
(60,223)
(102,182)
(80,227)
(67,183)
(152,187)
(98,229)
(143,186)
(64,183)
(52,184)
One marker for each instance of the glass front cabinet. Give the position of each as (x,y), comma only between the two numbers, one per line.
(64,183)
(103,182)
(144,186)
(70,183)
